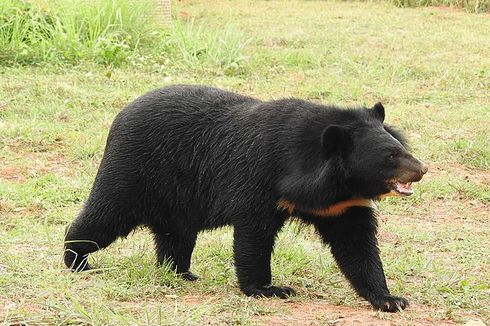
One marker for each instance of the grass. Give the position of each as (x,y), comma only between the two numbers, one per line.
(429,66)
(70,31)
(476,6)
(111,33)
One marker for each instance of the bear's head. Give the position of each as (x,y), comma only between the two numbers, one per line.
(375,157)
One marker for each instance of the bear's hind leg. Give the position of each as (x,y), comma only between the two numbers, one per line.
(177,250)
(90,233)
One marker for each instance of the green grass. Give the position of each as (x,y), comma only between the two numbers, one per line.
(69,31)
(431,69)
(475,6)
(111,33)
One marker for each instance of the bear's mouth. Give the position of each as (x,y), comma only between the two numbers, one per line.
(401,188)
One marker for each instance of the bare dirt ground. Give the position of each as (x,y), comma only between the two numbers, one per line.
(318,313)
(314,313)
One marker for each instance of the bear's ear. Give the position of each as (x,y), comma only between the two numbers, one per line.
(379,111)
(335,138)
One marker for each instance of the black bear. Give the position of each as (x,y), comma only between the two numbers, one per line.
(183,159)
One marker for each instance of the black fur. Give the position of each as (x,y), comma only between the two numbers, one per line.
(183,159)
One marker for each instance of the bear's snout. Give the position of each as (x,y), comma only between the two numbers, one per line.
(411,169)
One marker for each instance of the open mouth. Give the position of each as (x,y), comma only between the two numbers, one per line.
(401,188)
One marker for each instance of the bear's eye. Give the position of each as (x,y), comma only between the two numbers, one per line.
(392,156)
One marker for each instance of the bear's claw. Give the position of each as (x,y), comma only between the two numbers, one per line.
(389,303)
(189,276)
(268,291)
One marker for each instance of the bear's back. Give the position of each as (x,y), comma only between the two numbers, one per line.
(192,101)
(185,144)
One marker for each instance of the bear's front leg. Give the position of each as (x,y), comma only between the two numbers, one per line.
(252,247)
(353,243)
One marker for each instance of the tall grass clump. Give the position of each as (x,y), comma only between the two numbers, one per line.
(69,31)
(196,46)
(475,6)
(111,32)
